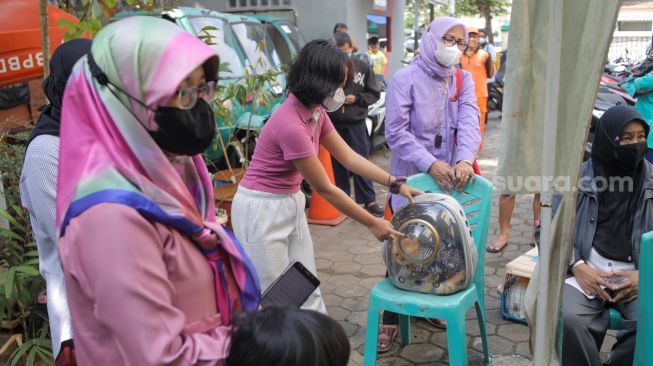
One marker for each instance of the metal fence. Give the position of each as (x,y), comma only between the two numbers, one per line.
(631,49)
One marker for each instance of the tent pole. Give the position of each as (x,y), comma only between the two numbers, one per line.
(548,170)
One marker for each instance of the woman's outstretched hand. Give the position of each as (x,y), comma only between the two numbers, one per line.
(383,230)
(409,192)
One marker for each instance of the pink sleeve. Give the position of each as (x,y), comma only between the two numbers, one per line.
(295,141)
(327,125)
(121,273)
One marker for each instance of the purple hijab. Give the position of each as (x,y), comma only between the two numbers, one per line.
(426,59)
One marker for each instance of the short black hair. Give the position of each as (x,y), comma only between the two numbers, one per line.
(288,337)
(373,41)
(482,30)
(341,39)
(317,72)
(339,26)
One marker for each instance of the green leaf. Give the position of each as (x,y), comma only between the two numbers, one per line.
(32,253)
(9,218)
(9,282)
(45,356)
(18,354)
(32,262)
(19,211)
(27,270)
(11,234)
(32,357)
(224,67)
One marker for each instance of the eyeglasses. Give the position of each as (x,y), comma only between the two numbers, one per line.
(450,40)
(188,95)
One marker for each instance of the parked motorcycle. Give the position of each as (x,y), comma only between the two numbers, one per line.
(605,100)
(375,122)
(495,96)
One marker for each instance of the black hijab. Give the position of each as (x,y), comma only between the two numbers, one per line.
(61,65)
(612,160)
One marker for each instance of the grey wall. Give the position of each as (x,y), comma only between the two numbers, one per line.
(316,18)
(397,54)
(357,21)
(219,5)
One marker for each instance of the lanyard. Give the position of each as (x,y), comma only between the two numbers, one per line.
(442,113)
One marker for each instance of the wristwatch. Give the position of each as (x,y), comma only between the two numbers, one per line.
(394,186)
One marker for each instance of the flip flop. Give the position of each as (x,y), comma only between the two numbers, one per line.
(495,249)
(388,333)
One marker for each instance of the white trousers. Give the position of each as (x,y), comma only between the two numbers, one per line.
(274,232)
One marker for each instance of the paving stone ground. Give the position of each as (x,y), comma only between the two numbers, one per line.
(349,264)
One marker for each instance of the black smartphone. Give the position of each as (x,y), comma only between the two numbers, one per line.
(292,288)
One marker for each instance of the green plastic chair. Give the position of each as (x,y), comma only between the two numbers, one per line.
(615,319)
(476,199)
(644,340)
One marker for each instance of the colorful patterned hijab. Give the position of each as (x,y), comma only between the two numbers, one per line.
(107,155)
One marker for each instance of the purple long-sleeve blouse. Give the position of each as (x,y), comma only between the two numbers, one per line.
(415,103)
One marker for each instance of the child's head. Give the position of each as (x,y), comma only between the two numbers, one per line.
(373,44)
(319,69)
(340,27)
(343,41)
(288,337)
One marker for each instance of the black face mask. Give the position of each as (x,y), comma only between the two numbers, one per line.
(181,131)
(629,156)
(184,131)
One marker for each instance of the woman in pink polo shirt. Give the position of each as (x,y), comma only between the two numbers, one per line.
(268,210)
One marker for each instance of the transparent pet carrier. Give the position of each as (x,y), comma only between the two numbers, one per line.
(437,254)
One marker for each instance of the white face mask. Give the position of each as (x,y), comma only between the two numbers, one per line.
(482,40)
(447,56)
(332,103)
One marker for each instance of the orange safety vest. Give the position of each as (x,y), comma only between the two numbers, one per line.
(476,66)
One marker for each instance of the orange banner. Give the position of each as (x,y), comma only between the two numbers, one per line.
(21,57)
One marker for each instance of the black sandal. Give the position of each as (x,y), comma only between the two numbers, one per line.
(494,249)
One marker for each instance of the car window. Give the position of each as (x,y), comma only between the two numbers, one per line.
(280,44)
(225,44)
(257,45)
(293,33)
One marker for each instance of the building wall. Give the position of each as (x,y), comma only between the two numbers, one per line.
(316,18)
(206,4)
(397,55)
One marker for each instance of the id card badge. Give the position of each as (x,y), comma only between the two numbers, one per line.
(438,141)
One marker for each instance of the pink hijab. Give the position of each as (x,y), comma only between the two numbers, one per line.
(107,155)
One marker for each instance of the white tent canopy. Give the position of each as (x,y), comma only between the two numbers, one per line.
(556,53)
